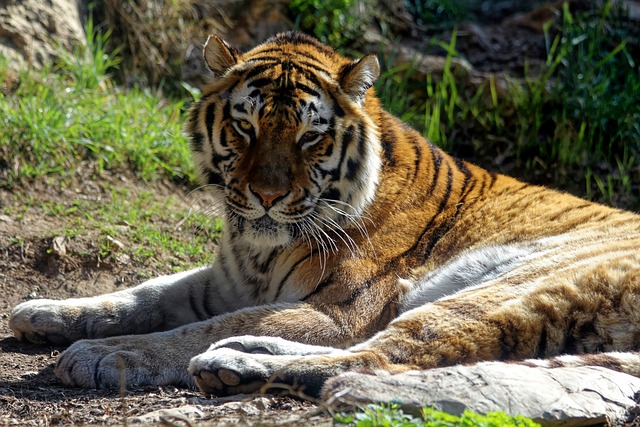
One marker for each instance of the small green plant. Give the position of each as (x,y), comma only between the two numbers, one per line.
(392,416)
(334,22)
(89,66)
(440,13)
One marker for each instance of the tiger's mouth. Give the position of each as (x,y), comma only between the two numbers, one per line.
(265,231)
(267,225)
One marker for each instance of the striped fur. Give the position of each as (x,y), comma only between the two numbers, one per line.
(358,244)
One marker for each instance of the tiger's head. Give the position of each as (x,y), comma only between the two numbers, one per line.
(284,134)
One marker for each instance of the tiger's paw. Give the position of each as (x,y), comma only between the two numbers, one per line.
(128,361)
(41,321)
(224,371)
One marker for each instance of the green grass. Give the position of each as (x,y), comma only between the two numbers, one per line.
(151,229)
(70,123)
(60,118)
(575,126)
(391,416)
(150,226)
(338,23)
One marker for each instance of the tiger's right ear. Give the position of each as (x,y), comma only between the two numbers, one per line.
(218,55)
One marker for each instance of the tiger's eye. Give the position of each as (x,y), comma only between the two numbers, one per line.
(309,138)
(245,125)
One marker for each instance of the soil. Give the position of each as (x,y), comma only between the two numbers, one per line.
(32,267)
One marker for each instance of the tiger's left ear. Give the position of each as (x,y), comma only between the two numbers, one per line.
(219,56)
(356,78)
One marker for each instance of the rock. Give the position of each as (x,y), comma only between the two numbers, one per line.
(572,396)
(31,31)
(167,416)
(59,246)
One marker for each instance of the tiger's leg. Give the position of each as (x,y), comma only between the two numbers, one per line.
(162,358)
(158,304)
(594,312)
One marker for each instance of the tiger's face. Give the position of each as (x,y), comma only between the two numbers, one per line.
(283,133)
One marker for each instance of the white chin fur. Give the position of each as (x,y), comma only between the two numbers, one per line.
(271,238)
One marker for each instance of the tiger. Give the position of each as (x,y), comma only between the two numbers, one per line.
(351,243)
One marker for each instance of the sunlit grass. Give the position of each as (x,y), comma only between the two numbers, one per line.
(60,117)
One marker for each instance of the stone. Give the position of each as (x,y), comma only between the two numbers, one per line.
(167,416)
(569,396)
(33,31)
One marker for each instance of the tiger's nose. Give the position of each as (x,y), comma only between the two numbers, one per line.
(267,198)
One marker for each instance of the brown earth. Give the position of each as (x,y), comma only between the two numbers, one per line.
(33,266)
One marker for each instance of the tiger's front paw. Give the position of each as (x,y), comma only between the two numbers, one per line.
(225,371)
(41,321)
(129,361)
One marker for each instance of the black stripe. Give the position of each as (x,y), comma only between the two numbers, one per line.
(443,228)
(462,167)
(436,159)
(307,89)
(347,137)
(356,293)
(209,288)
(303,67)
(388,145)
(299,39)
(439,233)
(353,168)
(264,267)
(223,138)
(494,177)
(214,178)
(208,120)
(239,107)
(321,286)
(418,159)
(429,225)
(387,149)
(258,69)
(289,273)
(196,141)
(362,146)
(541,348)
(259,83)
(196,304)
(226,110)
(217,158)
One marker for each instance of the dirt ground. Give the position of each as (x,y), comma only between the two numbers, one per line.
(29,268)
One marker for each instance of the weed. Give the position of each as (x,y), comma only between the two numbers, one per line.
(389,415)
(335,22)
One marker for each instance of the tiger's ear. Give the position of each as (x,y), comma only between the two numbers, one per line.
(218,55)
(356,78)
